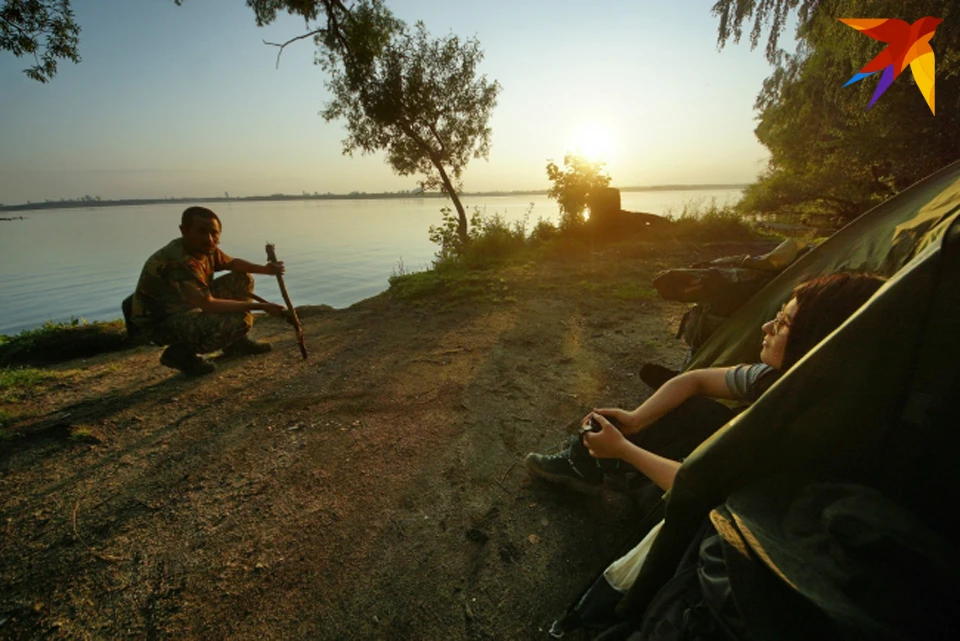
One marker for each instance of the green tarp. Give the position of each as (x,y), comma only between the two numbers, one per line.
(869,405)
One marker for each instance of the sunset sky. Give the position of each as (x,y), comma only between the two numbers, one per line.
(186,101)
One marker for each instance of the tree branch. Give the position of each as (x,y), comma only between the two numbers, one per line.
(291,41)
(333,26)
(433,130)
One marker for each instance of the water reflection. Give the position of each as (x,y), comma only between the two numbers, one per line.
(59,264)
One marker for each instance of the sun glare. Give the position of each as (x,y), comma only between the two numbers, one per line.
(593,142)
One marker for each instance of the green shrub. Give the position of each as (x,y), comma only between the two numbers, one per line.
(491,240)
(496,241)
(58,342)
(543,231)
(702,222)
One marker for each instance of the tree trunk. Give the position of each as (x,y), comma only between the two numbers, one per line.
(461,214)
(461,218)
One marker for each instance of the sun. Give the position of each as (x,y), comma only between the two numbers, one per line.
(593,142)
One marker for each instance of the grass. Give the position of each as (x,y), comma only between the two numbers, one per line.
(58,342)
(21,379)
(450,285)
(633,291)
(700,221)
(468,273)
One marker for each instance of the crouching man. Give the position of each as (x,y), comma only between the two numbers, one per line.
(179,303)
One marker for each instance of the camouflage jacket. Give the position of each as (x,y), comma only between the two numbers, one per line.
(165,276)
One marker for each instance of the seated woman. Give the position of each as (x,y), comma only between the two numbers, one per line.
(816,308)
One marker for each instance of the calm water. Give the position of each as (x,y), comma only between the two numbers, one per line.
(61,264)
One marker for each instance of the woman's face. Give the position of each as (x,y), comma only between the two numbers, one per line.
(775,335)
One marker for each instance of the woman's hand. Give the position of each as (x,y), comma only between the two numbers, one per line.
(609,442)
(623,418)
(276,269)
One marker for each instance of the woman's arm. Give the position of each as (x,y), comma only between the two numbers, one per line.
(672,394)
(609,442)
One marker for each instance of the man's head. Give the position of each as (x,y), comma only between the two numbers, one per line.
(200,228)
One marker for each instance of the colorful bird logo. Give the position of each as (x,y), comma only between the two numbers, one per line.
(909,44)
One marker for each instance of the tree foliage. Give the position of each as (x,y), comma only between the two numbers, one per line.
(48,30)
(573,185)
(422,102)
(45,30)
(830,157)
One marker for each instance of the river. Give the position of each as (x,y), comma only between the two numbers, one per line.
(80,263)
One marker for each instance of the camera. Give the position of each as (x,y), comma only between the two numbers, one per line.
(592,425)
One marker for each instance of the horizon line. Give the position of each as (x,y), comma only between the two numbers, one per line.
(89,201)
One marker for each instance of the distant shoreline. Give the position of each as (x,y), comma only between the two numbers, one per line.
(86,204)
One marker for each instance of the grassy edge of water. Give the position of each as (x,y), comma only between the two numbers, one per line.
(58,342)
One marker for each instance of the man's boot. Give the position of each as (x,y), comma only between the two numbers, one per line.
(181,357)
(245,346)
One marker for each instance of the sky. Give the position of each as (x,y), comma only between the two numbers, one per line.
(188,101)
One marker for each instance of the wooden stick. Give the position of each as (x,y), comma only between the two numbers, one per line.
(293,318)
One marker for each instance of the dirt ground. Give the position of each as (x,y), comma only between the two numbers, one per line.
(374,491)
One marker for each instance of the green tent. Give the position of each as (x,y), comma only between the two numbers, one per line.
(868,406)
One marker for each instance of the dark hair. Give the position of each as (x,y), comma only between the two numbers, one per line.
(197,212)
(823,304)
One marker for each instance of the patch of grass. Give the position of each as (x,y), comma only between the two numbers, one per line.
(706,222)
(16,383)
(450,284)
(21,378)
(84,434)
(58,342)
(633,291)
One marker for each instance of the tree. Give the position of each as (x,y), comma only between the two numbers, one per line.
(421,101)
(830,157)
(573,185)
(48,30)
(44,29)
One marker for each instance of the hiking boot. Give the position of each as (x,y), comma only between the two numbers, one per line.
(557,468)
(246,346)
(181,358)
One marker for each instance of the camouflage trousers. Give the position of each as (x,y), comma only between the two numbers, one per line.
(204,332)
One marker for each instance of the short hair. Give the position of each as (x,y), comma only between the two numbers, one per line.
(197,212)
(823,304)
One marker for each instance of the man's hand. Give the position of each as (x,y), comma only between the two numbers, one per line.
(609,442)
(278,311)
(276,269)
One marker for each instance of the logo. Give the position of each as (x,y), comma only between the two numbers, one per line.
(907,44)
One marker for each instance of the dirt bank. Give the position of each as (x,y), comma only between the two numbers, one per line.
(374,491)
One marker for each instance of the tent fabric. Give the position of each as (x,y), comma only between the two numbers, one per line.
(842,553)
(869,405)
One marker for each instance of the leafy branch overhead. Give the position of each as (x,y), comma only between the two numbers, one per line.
(45,30)
(830,158)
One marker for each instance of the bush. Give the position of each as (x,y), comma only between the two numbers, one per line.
(58,342)
(495,241)
(702,222)
(491,239)
(543,231)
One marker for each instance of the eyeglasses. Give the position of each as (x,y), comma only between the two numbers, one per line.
(781,320)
